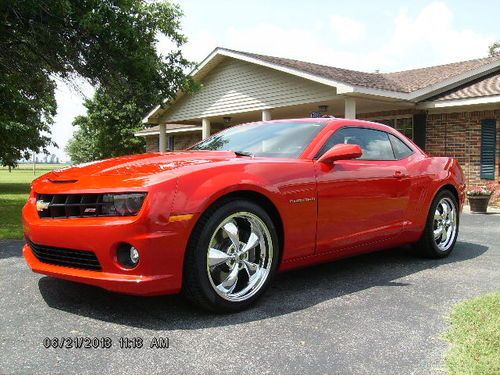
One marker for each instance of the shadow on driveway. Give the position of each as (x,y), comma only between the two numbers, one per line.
(290,291)
(11,248)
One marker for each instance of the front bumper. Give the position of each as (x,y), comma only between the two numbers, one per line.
(116,282)
(161,244)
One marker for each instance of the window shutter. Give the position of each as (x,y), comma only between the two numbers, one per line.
(419,129)
(488,149)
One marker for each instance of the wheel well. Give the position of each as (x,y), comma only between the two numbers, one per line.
(451,189)
(266,204)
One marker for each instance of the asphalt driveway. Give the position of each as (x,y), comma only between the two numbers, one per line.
(378,313)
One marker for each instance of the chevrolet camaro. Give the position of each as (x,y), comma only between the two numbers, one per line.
(219,220)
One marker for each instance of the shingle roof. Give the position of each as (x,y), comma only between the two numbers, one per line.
(405,81)
(484,86)
(416,79)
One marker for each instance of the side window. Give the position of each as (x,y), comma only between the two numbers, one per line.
(374,143)
(401,150)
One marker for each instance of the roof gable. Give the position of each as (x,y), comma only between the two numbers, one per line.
(235,86)
(412,85)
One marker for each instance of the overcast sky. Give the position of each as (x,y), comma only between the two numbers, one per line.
(362,35)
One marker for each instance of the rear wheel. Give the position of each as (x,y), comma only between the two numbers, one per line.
(441,230)
(232,256)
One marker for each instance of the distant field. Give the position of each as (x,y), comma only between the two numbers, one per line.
(14,191)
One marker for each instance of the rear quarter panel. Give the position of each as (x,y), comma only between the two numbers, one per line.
(429,175)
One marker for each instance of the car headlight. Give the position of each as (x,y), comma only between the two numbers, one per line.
(122,204)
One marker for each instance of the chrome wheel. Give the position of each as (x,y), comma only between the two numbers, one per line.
(239,257)
(445,224)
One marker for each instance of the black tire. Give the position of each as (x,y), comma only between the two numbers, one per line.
(427,246)
(197,286)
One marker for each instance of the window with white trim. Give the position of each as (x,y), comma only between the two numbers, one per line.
(401,124)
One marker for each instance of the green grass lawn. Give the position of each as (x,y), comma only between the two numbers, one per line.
(14,191)
(475,336)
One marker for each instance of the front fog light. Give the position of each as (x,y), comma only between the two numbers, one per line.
(128,256)
(134,255)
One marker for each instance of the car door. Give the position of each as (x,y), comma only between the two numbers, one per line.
(362,200)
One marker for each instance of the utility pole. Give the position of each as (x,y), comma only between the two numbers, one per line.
(34,164)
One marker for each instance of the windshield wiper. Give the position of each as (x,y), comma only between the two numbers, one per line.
(243,153)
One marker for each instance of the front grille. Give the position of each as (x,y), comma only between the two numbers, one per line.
(71,205)
(82,259)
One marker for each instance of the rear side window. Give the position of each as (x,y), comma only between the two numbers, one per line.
(401,149)
(374,143)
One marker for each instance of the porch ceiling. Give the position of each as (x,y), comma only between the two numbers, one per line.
(335,108)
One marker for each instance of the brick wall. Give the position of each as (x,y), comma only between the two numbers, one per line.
(181,142)
(152,143)
(459,135)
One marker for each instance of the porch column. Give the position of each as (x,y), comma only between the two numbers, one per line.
(266,115)
(162,143)
(205,128)
(350,108)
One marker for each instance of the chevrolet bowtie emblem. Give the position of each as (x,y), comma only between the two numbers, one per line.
(41,205)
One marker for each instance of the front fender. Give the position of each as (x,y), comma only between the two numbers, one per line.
(197,191)
(290,186)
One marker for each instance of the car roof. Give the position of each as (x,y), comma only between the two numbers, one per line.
(333,123)
(337,122)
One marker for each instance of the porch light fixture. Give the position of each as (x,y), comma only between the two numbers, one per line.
(227,119)
(323,108)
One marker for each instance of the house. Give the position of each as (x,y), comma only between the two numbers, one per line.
(451,109)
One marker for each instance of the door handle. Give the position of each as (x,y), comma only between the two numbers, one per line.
(399,174)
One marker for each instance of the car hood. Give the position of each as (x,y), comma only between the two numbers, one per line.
(144,164)
(131,171)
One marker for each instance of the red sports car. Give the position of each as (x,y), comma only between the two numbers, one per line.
(217,221)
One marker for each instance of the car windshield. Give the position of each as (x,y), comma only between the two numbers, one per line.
(270,139)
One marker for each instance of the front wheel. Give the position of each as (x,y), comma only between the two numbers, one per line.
(232,256)
(441,230)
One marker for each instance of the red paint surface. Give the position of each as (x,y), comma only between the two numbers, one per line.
(359,206)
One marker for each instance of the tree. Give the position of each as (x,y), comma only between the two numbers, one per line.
(108,128)
(494,49)
(111,43)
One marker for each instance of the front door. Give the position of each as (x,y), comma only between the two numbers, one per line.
(362,200)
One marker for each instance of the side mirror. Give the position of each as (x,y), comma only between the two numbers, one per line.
(341,152)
